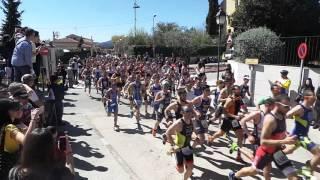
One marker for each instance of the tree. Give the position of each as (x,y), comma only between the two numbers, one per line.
(12,19)
(285,17)
(12,16)
(212,27)
(141,37)
(259,43)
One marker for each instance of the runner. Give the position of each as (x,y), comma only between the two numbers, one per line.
(273,137)
(146,84)
(135,94)
(110,99)
(162,100)
(154,88)
(231,119)
(197,88)
(275,91)
(117,78)
(182,130)
(96,74)
(86,74)
(302,114)
(202,105)
(257,117)
(103,84)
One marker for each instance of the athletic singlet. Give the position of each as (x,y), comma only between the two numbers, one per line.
(178,114)
(277,134)
(104,83)
(155,89)
(114,96)
(187,130)
(204,106)
(197,91)
(258,127)
(164,103)
(136,91)
(97,73)
(302,124)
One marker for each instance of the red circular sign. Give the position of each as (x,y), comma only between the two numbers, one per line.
(44,51)
(302,51)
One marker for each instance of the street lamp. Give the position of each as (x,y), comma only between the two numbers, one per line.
(135,7)
(220,18)
(153,39)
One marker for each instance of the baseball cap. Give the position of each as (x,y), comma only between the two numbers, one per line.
(27,78)
(284,72)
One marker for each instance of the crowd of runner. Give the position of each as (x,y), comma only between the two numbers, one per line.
(182,102)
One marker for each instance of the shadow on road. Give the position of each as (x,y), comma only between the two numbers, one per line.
(69,114)
(70,100)
(95,98)
(81,164)
(76,130)
(68,104)
(75,94)
(85,150)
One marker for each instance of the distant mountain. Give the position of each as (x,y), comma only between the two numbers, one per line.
(106,45)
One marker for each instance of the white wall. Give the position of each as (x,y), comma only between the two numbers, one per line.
(272,73)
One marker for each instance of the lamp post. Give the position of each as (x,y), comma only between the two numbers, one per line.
(220,19)
(153,38)
(135,7)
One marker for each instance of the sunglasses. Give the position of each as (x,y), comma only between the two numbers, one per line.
(284,105)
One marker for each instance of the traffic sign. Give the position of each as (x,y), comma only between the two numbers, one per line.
(302,51)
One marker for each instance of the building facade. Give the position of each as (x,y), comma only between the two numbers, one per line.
(229,7)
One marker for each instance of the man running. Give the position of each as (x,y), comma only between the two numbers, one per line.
(110,99)
(103,83)
(273,137)
(86,74)
(202,105)
(257,117)
(161,101)
(302,114)
(182,129)
(135,95)
(231,120)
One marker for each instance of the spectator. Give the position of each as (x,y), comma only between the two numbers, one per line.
(39,163)
(28,83)
(284,82)
(75,69)
(56,93)
(317,110)
(63,73)
(18,33)
(307,85)
(36,48)
(22,56)
(12,137)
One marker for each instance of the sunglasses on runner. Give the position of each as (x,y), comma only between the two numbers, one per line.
(284,105)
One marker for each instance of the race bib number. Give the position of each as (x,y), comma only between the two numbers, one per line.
(235,123)
(280,158)
(186,150)
(204,123)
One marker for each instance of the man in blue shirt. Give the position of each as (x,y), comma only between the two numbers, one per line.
(22,56)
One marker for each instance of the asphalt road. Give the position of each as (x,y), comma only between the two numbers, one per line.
(101,153)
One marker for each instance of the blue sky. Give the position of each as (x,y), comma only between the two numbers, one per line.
(103,18)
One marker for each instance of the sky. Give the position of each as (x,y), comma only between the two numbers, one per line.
(102,19)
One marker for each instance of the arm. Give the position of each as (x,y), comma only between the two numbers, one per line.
(175,127)
(296,111)
(167,111)
(223,96)
(20,137)
(252,116)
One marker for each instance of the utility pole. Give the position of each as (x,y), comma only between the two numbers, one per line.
(153,38)
(135,7)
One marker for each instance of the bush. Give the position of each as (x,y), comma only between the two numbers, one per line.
(259,43)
